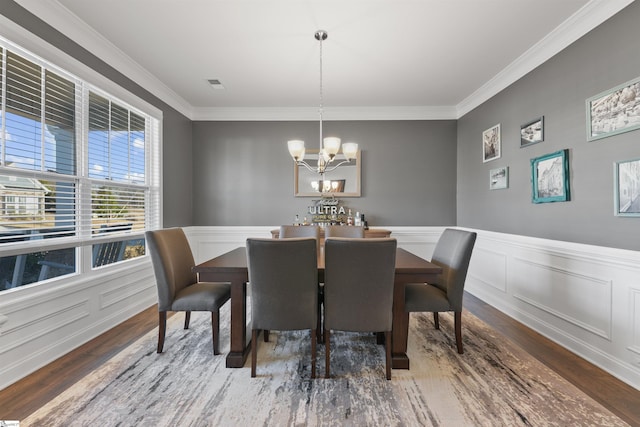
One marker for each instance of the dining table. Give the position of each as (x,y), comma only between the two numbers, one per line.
(231,267)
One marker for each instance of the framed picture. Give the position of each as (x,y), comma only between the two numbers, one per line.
(627,191)
(614,111)
(550,177)
(532,132)
(499,178)
(491,143)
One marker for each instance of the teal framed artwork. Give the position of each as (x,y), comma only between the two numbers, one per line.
(550,177)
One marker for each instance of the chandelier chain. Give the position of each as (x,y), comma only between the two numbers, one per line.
(320,109)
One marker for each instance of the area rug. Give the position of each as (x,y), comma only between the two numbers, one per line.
(494,383)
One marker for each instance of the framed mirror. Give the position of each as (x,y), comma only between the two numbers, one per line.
(341,182)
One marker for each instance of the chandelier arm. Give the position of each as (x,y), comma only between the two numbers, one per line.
(306,165)
(334,167)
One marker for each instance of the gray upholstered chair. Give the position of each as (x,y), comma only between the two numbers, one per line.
(178,286)
(343,231)
(358,289)
(283,277)
(297,231)
(338,231)
(452,253)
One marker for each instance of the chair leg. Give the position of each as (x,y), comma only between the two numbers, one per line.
(266,335)
(215,331)
(254,351)
(327,347)
(319,326)
(436,319)
(313,352)
(162,327)
(387,348)
(458,327)
(319,323)
(187,319)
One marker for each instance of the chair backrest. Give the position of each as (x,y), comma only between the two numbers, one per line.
(296,231)
(172,263)
(358,284)
(289,231)
(283,276)
(453,253)
(343,231)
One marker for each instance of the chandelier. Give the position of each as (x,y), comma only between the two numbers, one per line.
(329,146)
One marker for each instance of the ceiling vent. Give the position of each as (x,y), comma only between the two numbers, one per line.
(215,83)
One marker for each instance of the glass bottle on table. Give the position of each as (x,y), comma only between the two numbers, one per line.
(349,218)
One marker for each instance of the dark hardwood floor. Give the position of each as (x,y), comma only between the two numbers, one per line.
(26,396)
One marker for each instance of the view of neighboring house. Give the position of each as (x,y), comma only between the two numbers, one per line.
(21,197)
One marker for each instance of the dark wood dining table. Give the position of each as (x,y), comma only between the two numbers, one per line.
(232,267)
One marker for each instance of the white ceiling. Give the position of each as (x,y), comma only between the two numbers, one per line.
(382,59)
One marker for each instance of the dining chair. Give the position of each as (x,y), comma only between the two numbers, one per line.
(289,231)
(337,231)
(344,231)
(358,289)
(452,253)
(296,231)
(178,287)
(283,279)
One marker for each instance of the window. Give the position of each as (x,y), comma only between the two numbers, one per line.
(79,173)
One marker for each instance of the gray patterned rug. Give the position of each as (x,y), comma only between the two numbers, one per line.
(494,383)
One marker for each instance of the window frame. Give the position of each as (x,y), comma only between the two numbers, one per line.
(83,238)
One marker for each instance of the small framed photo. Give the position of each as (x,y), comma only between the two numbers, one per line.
(491,143)
(614,111)
(550,177)
(499,178)
(627,191)
(532,132)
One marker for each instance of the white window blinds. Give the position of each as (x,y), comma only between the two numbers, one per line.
(74,161)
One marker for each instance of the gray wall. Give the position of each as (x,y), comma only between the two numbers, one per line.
(176,127)
(243,174)
(606,57)
(238,173)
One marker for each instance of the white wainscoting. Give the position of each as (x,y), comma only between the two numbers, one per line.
(586,298)
(48,320)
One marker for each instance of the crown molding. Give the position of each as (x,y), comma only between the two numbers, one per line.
(577,25)
(584,20)
(63,20)
(24,42)
(328,113)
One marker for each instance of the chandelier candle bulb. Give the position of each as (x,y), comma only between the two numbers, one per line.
(296,149)
(350,149)
(331,146)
